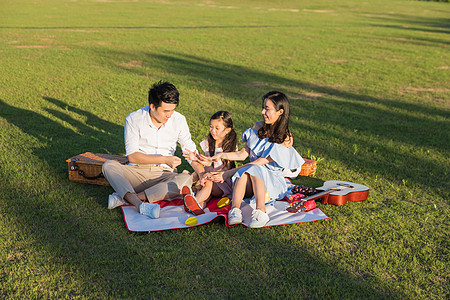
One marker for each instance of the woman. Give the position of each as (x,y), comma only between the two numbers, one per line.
(268,144)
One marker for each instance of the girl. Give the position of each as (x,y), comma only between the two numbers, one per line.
(221,138)
(268,144)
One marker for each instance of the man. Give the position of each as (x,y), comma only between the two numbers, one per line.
(151,136)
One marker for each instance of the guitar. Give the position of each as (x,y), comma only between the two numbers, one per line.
(335,192)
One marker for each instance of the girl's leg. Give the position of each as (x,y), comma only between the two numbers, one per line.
(204,194)
(216,191)
(259,190)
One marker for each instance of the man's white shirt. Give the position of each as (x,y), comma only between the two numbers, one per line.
(141,135)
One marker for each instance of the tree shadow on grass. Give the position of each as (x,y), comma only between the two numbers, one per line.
(421,24)
(413,28)
(63,135)
(89,248)
(366,133)
(96,135)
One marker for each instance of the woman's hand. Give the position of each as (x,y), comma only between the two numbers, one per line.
(288,142)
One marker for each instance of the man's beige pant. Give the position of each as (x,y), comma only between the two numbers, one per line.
(156,182)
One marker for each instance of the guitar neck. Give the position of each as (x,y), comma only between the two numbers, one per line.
(318,195)
(313,197)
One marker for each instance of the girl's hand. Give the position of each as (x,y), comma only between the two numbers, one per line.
(189,155)
(217,176)
(204,160)
(204,177)
(217,157)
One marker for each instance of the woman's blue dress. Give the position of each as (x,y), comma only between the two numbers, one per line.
(271,173)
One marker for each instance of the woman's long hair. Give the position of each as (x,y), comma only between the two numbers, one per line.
(230,141)
(277,132)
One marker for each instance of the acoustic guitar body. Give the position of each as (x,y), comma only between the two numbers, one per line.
(352,192)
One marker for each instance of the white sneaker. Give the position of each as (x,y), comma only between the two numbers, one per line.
(150,210)
(234,216)
(259,219)
(114,200)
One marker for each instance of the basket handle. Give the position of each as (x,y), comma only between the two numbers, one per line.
(90,177)
(74,167)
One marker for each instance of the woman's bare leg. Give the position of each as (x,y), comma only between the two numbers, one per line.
(242,188)
(259,190)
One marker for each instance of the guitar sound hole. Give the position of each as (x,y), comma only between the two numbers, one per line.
(346,185)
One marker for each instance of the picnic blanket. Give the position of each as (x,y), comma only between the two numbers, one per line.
(173,216)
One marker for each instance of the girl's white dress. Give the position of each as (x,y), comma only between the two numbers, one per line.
(271,173)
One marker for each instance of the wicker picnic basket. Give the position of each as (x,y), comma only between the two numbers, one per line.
(308,168)
(87,167)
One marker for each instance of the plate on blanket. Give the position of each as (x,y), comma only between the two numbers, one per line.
(173,216)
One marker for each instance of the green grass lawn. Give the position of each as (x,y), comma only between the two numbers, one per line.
(369,87)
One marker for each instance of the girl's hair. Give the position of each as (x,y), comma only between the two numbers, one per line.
(277,132)
(230,141)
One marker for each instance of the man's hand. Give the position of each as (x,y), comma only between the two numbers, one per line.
(173,161)
(194,156)
(189,155)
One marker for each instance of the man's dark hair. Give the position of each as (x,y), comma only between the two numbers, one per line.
(163,91)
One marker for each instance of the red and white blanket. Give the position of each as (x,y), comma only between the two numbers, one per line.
(173,216)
